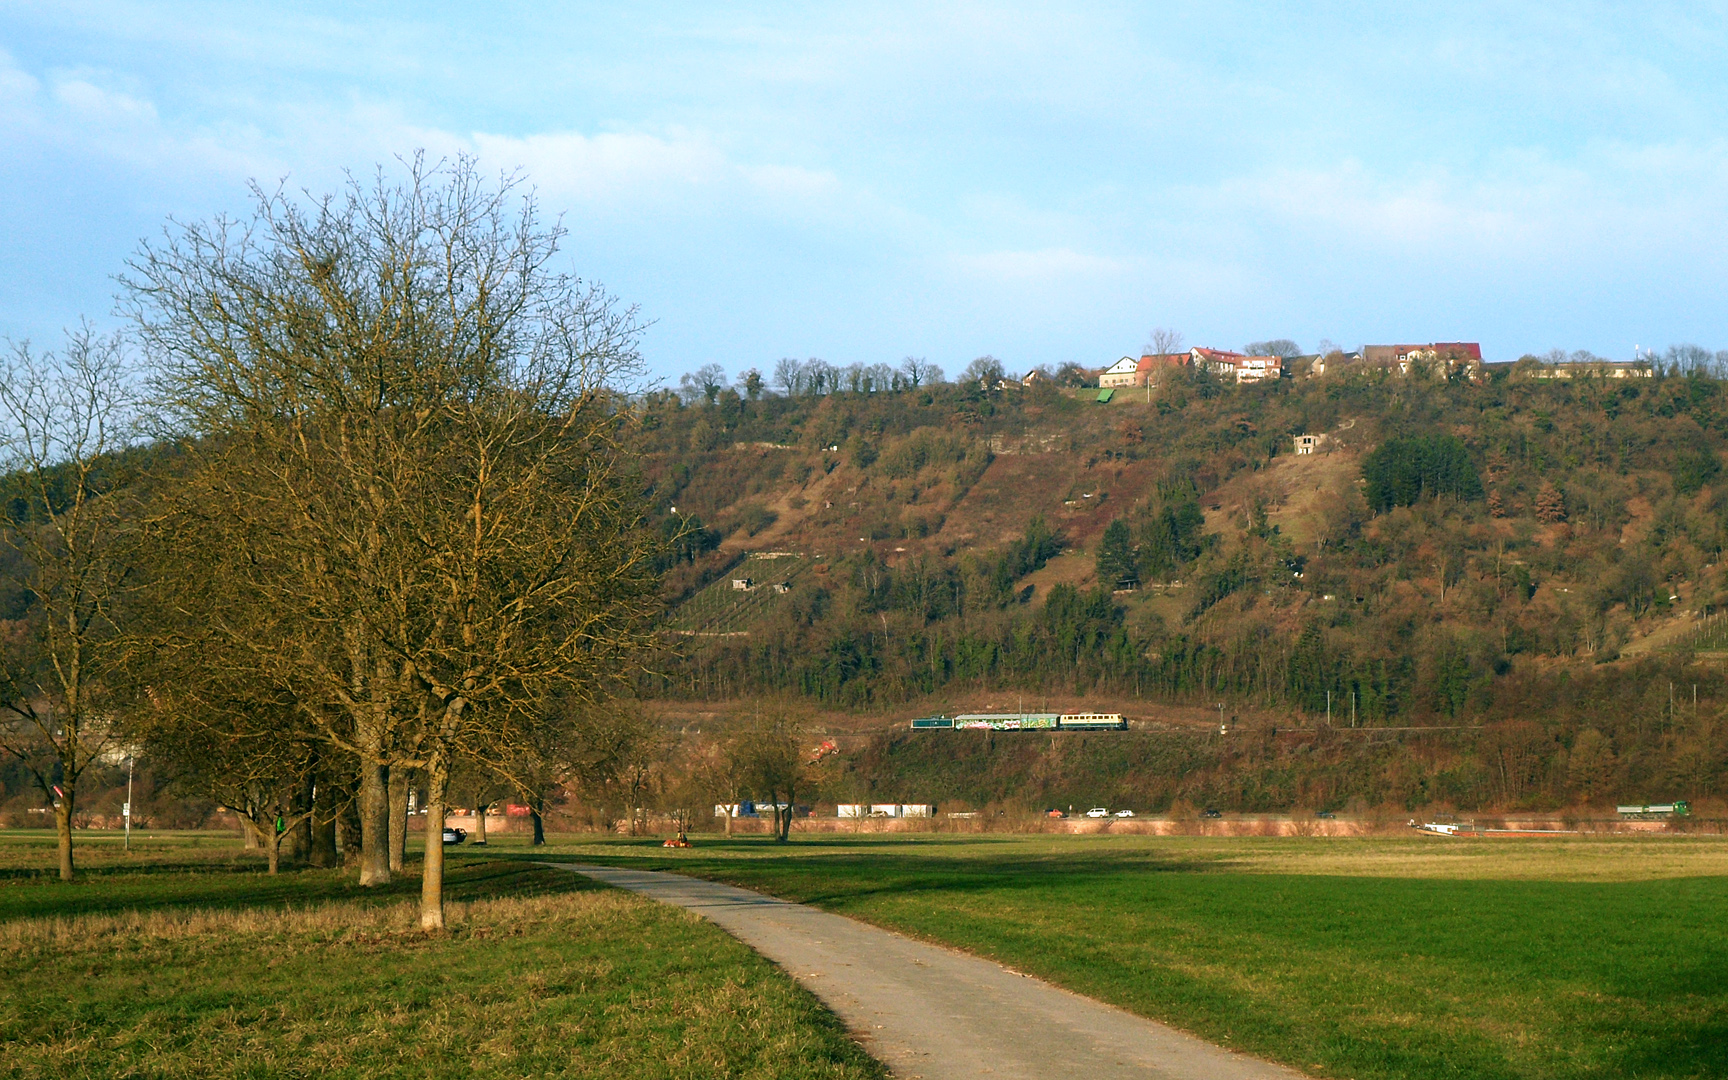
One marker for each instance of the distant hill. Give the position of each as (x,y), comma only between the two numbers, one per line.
(952,536)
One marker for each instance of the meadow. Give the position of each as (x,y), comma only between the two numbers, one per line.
(183,959)
(1377,957)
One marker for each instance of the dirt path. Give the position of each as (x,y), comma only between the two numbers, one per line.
(933,1013)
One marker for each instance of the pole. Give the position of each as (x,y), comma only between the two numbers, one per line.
(1352,708)
(127,814)
(1328,708)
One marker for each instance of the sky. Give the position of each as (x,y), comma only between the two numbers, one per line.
(863,182)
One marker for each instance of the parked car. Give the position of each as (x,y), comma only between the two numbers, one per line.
(455,836)
(1124,813)
(1098,811)
(1324,814)
(1210,813)
(1054,813)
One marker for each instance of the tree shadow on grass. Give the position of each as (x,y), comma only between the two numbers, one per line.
(194,885)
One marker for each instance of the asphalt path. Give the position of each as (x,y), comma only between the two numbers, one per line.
(932,1013)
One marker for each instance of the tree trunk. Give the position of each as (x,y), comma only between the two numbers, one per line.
(786,816)
(479,824)
(432,867)
(298,841)
(63,831)
(535,806)
(322,852)
(730,807)
(273,847)
(398,817)
(374,823)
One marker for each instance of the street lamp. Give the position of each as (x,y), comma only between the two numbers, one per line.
(126,810)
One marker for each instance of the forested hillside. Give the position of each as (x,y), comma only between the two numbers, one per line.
(1454,553)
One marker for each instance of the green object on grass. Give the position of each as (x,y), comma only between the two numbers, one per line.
(1106,394)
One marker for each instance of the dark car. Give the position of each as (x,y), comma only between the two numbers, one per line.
(1324,814)
(1211,813)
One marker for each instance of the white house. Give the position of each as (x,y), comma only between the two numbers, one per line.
(1123,372)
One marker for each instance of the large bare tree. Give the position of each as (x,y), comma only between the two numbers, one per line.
(69,522)
(406,423)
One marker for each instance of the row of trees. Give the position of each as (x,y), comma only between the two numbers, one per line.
(365,511)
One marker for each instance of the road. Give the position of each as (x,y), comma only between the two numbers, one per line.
(932,1013)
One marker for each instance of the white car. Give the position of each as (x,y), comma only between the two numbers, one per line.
(1124,813)
(1098,811)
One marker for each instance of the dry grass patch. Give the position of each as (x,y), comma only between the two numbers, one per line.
(569,980)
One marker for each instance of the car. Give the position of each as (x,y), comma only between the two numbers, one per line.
(1324,814)
(1124,813)
(1098,811)
(455,836)
(1210,813)
(1054,813)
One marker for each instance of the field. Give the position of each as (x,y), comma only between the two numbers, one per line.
(1418,957)
(184,960)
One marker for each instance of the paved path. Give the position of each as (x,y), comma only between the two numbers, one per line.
(936,1014)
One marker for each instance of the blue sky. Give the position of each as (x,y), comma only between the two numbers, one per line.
(864,182)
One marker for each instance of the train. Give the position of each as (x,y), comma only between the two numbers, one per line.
(1023,722)
(1655,811)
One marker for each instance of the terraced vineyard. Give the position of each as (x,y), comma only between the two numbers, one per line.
(721,609)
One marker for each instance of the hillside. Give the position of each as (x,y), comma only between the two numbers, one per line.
(955,536)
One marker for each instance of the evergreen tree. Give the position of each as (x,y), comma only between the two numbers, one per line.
(1116,569)
(1403,470)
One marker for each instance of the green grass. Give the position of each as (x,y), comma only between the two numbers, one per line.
(191,963)
(1352,958)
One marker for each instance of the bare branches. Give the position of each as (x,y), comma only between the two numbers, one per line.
(70,527)
(406,472)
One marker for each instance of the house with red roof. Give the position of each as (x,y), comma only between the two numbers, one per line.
(1236,367)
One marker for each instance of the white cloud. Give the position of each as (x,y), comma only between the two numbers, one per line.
(83,100)
(18,90)
(1049,265)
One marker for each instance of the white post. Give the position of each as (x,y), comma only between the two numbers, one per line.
(126,811)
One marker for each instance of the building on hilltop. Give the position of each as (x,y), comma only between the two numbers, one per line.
(1235,366)
(1124,372)
(1131,372)
(1308,444)
(1441,358)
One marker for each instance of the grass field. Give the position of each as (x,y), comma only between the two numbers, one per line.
(1420,957)
(185,960)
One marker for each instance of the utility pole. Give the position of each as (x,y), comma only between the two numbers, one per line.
(126,811)
(1352,708)
(1328,708)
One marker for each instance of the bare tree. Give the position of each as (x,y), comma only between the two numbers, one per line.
(703,384)
(404,419)
(789,376)
(256,757)
(920,372)
(1163,341)
(772,764)
(1280,347)
(986,371)
(70,524)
